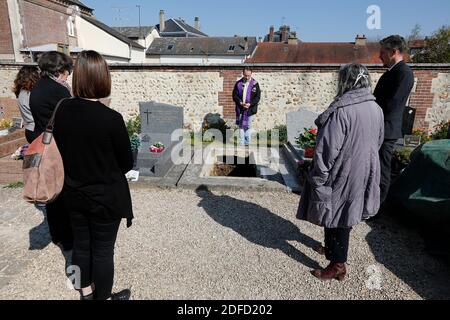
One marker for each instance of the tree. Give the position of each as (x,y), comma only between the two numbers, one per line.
(415,33)
(437,48)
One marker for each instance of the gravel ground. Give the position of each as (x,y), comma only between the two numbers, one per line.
(234,245)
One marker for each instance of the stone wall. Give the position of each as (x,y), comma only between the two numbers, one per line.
(285,88)
(197,92)
(441,99)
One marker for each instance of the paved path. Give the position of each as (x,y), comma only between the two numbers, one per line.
(201,245)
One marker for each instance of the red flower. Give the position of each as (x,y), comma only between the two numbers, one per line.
(313,131)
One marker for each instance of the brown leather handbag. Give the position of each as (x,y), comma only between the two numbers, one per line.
(43,169)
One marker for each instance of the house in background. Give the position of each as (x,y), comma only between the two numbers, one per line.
(30,27)
(416,46)
(283,35)
(113,45)
(143,35)
(201,51)
(359,51)
(178,28)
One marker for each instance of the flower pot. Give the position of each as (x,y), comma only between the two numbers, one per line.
(309,152)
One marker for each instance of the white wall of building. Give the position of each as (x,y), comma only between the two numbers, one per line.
(137,55)
(16,29)
(90,37)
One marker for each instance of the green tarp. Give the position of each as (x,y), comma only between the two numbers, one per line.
(424,186)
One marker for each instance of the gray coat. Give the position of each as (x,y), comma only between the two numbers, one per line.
(342,188)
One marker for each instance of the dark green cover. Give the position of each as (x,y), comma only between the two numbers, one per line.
(424,187)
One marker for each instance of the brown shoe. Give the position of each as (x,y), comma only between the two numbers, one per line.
(336,271)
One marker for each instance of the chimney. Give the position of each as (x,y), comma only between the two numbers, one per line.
(284,35)
(271,34)
(246,46)
(293,38)
(162,20)
(360,40)
(197,23)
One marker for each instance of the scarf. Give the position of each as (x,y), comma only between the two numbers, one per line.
(63,83)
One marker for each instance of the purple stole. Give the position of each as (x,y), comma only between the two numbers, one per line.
(242,115)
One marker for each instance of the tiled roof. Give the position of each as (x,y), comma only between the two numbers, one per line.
(113,32)
(417,44)
(135,32)
(179,28)
(232,46)
(316,53)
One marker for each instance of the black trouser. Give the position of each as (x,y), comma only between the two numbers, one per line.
(386,153)
(336,244)
(93,249)
(59,223)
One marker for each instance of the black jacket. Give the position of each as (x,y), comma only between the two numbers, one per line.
(43,99)
(96,151)
(392,93)
(254,100)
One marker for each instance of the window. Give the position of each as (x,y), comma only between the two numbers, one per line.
(231,48)
(70,27)
(170,47)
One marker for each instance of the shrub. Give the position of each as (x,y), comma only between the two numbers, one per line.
(441,131)
(134,126)
(214,122)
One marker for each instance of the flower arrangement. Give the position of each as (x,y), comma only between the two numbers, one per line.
(425,136)
(20,153)
(135,142)
(157,148)
(307,141)
(5,124)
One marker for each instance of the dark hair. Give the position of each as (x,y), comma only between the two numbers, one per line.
(26,79)
(395,42)
(91,76)
(352,77)
(54,63)
(247,69)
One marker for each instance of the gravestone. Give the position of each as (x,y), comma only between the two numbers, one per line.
(158,122)
(299,120)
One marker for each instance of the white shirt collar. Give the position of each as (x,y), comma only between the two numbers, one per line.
(394,65)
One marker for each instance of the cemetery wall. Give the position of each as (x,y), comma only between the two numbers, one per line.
(285,88)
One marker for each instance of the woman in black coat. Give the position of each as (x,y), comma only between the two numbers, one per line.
(49,90)
(96,153)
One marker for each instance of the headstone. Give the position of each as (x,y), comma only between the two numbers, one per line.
(299,120)
(17,122)
(158,122)
(412,141)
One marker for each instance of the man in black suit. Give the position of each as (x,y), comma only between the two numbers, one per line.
(392,93)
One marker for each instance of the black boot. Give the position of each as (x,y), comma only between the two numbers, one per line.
(122,295)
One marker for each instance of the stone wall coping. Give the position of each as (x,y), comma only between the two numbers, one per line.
(134,66)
